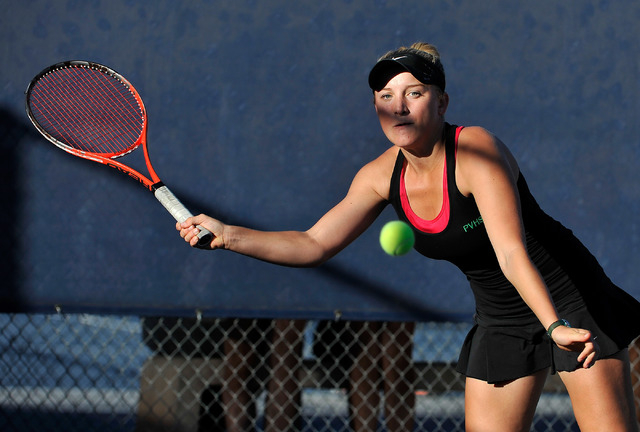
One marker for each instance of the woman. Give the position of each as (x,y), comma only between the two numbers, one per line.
(463,193)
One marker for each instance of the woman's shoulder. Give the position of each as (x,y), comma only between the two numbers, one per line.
(383,163)
(477,145)
(476,135)
(477,141)
(377,173)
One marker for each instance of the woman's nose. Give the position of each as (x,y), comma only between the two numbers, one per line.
(400,107)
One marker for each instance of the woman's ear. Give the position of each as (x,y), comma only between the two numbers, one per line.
(443,103)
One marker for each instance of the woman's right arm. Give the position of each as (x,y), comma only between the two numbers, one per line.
(333,232)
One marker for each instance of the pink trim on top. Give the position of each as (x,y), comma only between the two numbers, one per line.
(441,221)
(433,226)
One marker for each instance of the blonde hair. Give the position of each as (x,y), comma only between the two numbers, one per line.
(432,52)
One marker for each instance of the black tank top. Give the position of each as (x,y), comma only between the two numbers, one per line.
(463,241)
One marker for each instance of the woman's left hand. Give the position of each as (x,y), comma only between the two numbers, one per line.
(577,340)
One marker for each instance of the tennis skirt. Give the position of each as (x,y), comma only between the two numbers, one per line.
(497,353)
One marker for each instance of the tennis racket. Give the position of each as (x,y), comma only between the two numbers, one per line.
(93,112)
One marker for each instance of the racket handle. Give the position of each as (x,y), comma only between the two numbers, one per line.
(180,212)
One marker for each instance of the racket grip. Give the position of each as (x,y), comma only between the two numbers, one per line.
(180,212)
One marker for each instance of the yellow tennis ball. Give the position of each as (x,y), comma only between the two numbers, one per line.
(396,238)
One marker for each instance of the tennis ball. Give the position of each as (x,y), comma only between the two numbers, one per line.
(396,238)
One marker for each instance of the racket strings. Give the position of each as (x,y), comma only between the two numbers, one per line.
(88,110)
(81,109)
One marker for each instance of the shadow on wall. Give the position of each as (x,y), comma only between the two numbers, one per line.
(16,132)
(13,132)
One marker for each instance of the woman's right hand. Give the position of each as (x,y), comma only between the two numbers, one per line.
(189,232)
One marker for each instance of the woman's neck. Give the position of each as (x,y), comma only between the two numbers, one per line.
(427,158)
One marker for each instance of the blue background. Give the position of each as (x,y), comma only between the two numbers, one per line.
(260,114)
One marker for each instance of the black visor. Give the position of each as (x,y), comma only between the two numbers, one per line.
(421,68)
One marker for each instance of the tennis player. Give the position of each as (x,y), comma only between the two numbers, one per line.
(543,303)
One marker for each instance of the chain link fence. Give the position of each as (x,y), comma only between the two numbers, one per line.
(105,373)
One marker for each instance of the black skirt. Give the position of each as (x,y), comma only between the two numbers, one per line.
(498,353)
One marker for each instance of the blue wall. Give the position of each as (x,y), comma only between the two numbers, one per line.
(260,114)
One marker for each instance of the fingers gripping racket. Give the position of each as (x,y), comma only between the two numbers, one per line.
(93,112)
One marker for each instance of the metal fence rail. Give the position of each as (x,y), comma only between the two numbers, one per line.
(103,373)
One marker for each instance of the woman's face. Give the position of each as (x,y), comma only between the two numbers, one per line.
(410,113)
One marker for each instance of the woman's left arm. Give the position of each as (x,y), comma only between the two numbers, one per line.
(488,171)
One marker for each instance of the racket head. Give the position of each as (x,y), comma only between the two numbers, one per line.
(87,109)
